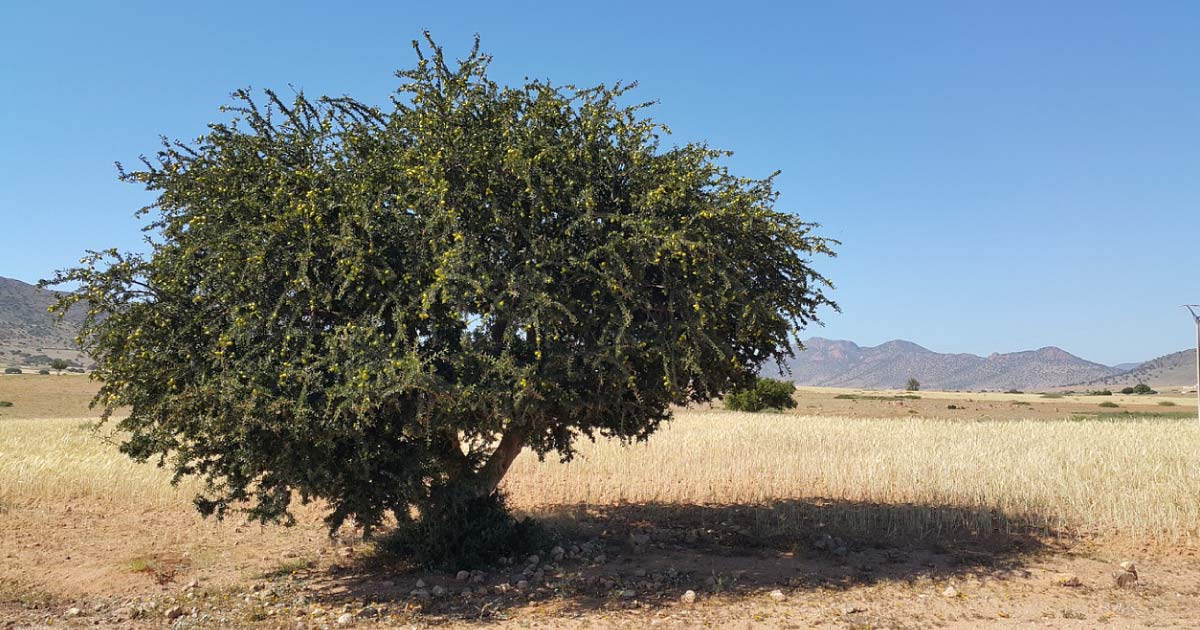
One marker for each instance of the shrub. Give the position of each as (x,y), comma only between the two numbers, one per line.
(1014,391)
(75,370)
(1127,390)
(766,393)
(463,532)
(912,385)
(1165,403)
(44,372)
(59,365)
(12,370)
(1109,404)
(953,407)
(5,403)
(1100,392)
(1142,388)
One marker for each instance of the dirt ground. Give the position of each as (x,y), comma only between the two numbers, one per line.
(105,564)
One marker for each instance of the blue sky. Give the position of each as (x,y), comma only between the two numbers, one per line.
(1004,175)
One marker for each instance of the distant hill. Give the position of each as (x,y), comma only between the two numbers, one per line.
(29,335)
(1177,369)
(835,363)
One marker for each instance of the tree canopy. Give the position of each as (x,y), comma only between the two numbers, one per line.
(366,305)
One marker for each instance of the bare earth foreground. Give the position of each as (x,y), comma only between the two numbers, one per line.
(859,509)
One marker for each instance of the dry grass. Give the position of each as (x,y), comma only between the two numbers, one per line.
(906,476)
(67,460)
(1139,478)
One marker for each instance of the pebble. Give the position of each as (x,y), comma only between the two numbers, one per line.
(345,619)
(463,576)
(950,592)
(777,595)
(688,597)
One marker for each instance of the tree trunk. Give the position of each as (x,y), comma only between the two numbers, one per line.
(488,478)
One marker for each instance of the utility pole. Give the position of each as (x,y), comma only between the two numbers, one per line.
(1192,309)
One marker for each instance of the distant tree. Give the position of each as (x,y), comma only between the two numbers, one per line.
(765,393)
(1142,388)
(12,370)
(380,308)
(1128,390)
(913,385)
(58,365)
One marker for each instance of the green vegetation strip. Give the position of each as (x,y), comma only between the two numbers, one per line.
(866,397)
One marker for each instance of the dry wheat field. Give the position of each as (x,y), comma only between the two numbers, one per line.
(856,510)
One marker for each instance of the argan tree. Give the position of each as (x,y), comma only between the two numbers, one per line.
(382,307)
(58,365)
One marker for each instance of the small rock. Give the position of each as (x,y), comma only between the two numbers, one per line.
(368,612)
(1067,579)
(639,572)
(950,592)
(628,593)
(463,576)
(345,619)
(174,612)
(850,609)
(439,591)
(74,612)
(477,577)
(558,553)
(600,558)
(777,595)
(522,584)
(688,597)
(421,584)
(534,559)
(419,593)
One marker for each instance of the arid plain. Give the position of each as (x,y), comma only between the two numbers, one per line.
(860,509)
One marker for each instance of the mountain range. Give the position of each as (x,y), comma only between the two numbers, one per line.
(29,334)
(1177,369)
(840,363)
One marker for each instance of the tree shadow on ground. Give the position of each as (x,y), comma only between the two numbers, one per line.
(650,555)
